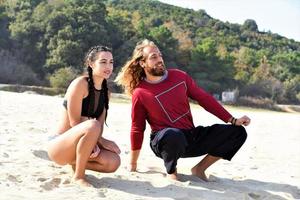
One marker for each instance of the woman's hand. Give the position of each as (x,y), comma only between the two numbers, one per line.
(110,145)
(95,151)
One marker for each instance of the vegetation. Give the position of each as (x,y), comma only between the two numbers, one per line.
(44,41)
(62,77)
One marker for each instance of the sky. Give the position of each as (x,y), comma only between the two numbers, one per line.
(278,16)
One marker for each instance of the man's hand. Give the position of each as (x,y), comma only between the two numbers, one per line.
(133,160)
(132,167)
(245,120)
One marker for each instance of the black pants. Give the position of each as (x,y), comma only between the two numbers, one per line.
(218,140)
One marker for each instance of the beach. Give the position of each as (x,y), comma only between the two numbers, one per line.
(266,167)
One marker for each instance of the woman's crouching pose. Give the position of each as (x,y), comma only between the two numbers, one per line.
(78,140)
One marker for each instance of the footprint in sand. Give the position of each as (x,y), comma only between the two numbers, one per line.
(5,155)
(119,176)
(53,183)
(101,194)
(63,172)
(66,181)
(238,178)
(12,140)
(41,179)
(35,130)
(14,179)
(254,167)
(41,154)
(254,196)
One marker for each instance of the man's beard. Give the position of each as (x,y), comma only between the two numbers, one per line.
(156,71)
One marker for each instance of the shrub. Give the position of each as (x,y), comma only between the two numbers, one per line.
(62,77)
(257,103)
(34,89)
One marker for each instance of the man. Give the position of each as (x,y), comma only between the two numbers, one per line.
(161,97)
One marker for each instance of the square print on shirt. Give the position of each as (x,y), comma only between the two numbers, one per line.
(174,110)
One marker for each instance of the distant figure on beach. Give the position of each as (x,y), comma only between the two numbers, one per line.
(78,140)
(160,96)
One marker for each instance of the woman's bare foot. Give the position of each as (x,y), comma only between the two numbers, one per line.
(81,182)
(73,168)
(199,173)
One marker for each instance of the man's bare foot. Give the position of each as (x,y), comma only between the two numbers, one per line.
(81,182)
(173,176)
(199,173)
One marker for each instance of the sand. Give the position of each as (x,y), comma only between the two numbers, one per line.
(266,167)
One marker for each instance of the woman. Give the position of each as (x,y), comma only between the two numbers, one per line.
(78,140)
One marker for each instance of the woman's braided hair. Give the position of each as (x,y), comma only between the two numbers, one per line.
(91,56)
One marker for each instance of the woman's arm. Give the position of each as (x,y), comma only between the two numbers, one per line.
(101,120)
(75,94)
(105,143)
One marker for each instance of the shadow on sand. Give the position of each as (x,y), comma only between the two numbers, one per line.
(191,189)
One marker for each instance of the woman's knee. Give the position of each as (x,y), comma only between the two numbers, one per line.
(93,127)
(113,163)
(55,155)
(116,163)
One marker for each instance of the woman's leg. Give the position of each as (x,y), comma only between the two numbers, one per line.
(75,145)
(106,162)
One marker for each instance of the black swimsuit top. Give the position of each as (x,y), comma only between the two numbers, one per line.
(98,105)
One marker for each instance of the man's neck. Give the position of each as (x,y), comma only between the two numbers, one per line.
(156,79)
(150,78)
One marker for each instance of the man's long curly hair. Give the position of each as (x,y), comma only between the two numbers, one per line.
(132,72)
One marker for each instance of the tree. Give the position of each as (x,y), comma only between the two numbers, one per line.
(5,41)
(73,30)
(212,69)
(168,45)
(55,35)
(245,62)
(250,25)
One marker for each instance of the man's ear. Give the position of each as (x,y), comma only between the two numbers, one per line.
(142,63)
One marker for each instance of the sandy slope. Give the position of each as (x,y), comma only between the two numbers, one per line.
(267,166)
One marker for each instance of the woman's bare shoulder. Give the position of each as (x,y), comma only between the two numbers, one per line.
(78,85)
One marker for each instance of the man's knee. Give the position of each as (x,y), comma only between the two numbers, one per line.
(241,134)
(174,141)
(174,137)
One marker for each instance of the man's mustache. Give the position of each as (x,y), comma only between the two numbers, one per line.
(156,65)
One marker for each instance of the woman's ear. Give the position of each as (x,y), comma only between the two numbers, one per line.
(91,65)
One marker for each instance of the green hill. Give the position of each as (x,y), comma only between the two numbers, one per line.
(38,38)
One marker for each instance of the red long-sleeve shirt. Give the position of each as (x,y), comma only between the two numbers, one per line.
(166,104)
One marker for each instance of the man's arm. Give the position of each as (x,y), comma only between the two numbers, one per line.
(134,155)
(245,120)
(207,101)
(138,125)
